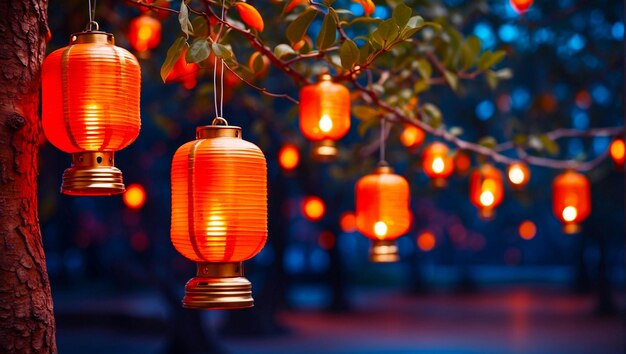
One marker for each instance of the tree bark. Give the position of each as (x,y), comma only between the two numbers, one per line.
(27,322)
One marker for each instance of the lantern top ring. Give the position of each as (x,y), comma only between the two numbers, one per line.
(218,120)
(90,26)
(92,37)
(218,131)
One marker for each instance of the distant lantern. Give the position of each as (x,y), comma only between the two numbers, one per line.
(527,230)
(288,157)
(313,208)
(219,214)
(412,136)
(521,6)
(571,200)
(184,73)
(90,109)
(144,33)
(618,151)
(426,241)
(462,162)
(437,164)
(135,196)
(518,174)
(347,221)
(382,211)
(324,116)
(486,190)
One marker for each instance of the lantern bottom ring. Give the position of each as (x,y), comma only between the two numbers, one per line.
(324,150)
(486,213)
(571,228)
(439,182)
(218,286)
(384,252)
(92,174)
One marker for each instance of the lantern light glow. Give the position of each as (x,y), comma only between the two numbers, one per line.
(437,164)
(135,196)
(618,152)
(313,208)
(289,157)
(486,189)
(571,200)
(518,174)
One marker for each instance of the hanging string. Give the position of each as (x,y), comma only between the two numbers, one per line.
(219,109)
(382,140)
(92,14)
(222,72)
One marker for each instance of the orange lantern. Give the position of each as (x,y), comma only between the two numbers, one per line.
(412,136)
(144,33)
(219,214)
(518,174)
(288,157)
(618,151)
(183,72)
(437,164)
(521,6)
(382,211)
(462,162)
(313,208)
(486,190)
(571,200)
(324,116)
(90,109)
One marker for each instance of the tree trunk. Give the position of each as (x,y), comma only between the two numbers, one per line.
(27,322)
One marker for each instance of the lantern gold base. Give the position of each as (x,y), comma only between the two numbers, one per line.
(384,252)
(438,182)
(571,228)
(486,213)
(324,150)
(218,286)
(92,174)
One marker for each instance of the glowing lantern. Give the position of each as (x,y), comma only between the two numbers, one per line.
(289,157)
(183,72)
(219,214)
(618,151)
(324,116)
(135,196)
(144,33)
(571,200)
(518,174)
(462,162)
(437,163)
(313,208)
(347,221)
(412,136)
(521,6)
(426,241)
(486,190)
(527,230)
(382,211)
(90,109)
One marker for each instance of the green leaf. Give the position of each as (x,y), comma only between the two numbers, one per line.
(284,50)
(415,22)
(424,68)
(549,145)
(200,27)
(452,79)
(469,52)
(364,52)
(297,29)
(455,131)
(504,74)
(492,79)
(386,32)
(401,15)
(183,19)
(223,51)
(328,2)
(489,59)
(199,51)
(489,142)
(420,86)
(364,112)
(365,125)
(349,54)
(173,53)
(432,115)
(328,33)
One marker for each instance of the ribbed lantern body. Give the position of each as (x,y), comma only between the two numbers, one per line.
(437,163)
(486,190)
(382,211)
(90,108)
(324,115)
(144,33)
(219,213)
(571,200)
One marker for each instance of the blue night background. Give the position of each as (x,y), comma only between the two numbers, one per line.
(117,281)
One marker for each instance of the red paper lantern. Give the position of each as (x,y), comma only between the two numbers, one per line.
(324,116)
(219,214)
(144,33)
(412,136)
(184,73)
(521,6)
(90,109)
(571,200)
(382,211)
(486,190)
(437,164)
(618,151)
(518,174)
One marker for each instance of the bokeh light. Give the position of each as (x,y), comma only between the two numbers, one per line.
(135,196)
(426,241)
(618,152)
(289,157)
(527,230)
(313,208)
(348,222)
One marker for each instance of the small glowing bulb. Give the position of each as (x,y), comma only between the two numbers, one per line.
(570,213)
(438,165)
(326,124)
(487,198)
(380,228)
(144,33)
(516,175)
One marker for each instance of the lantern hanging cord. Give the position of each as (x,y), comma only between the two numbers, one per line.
(92,14)
(382,139)
(219,109)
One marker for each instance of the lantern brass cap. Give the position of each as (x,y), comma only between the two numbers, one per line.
(218,286)
(439,182)
(218,131)
(384,252)
(325,77)
(93,174)
(92,37)
(324,150)
(571,228)
(383,168)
